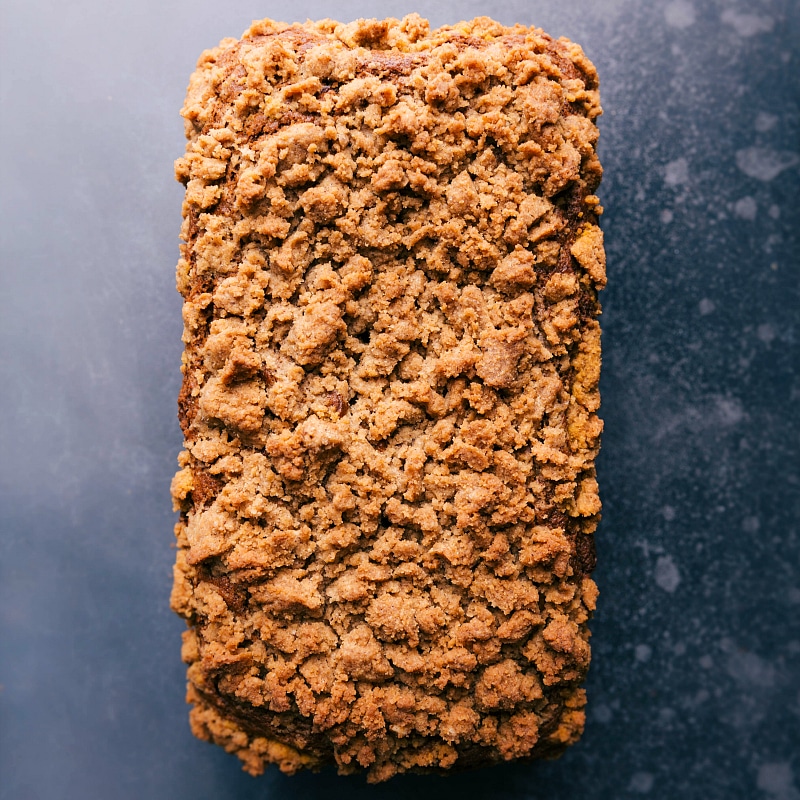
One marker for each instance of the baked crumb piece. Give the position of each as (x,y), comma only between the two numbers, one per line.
(387,495)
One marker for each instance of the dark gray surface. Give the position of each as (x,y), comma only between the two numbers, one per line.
(695,685)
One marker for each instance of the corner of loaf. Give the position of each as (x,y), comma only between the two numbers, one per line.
(390,268)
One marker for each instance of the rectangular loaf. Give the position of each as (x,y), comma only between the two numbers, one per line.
(387,495)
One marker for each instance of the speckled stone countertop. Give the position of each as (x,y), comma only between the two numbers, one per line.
(694,690)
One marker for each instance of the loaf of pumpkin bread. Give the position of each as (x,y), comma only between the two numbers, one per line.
(387,494)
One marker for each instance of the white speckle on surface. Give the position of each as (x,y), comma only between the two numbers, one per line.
(706,306)
(763,163)
(701,697)
(668,512)
(679,649)
(729,410)
(676,172)
(747,24)
(777,780)
(680,14)
(641,782)
(766,333)
(717,411)
(774,211)
(666,716)
(746,208)
(646,548)
(603,714)
(667,216)
(751,524)
(765,122)
(643,652)
(750,669)
(667,574)
(706,662)
(794,596)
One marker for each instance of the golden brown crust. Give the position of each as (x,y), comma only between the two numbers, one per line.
(388,495)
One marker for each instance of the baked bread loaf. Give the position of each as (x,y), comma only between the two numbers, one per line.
(387,495)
